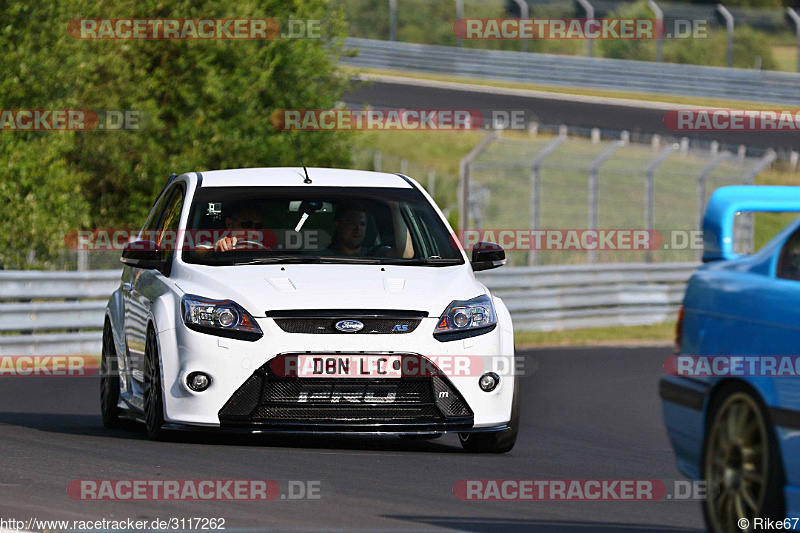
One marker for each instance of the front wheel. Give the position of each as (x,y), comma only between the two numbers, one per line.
(109,381)
(495,441)
(153,396)
(741,463)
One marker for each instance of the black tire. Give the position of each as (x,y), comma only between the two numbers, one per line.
(495,441)
(109,381)
(741,463)
(153,394)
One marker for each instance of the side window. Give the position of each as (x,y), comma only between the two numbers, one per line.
(789,260)
(167,231)
(151,225)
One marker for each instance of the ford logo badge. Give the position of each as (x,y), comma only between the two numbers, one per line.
(349,326)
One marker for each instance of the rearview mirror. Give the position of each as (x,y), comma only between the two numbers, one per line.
(487,255)
(143,254)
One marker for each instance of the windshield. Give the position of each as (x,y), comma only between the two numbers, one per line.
(252,225)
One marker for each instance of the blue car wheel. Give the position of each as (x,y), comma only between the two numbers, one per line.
(741,462)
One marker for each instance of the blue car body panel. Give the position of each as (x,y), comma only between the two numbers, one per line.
(736,305)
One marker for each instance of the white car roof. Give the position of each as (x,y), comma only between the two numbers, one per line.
(294,176)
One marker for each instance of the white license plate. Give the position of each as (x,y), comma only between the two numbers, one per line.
(349,366)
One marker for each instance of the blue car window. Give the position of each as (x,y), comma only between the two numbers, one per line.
(789,260)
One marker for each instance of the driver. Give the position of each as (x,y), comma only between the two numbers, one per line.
(349,229)
(243,216)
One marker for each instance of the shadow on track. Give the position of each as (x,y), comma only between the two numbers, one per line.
(91,426)
(513,525)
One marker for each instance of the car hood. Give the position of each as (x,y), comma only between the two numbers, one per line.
(262,288)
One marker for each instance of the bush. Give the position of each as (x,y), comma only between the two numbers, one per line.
(713,50)
(638,49)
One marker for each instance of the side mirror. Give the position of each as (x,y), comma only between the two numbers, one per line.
(143,254)
(487,255)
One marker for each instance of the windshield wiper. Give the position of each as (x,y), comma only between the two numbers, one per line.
(351,259)
(278,259)
(325,259)
(435,261)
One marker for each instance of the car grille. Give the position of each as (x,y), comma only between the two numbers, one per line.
(326,325)
(324,321)
(270,399)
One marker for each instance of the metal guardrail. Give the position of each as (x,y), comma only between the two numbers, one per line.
(584,296)
(55,313)
(603,73)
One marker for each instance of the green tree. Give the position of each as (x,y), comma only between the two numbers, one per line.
(639,49)
(205,105)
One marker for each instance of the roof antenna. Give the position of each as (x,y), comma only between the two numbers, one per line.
(307,180)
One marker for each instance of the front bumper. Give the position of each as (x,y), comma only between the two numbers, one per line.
(231,363)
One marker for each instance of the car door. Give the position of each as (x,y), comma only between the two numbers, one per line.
(786,294)
(145,285)
(129,274)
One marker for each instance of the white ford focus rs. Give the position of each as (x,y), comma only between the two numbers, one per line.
(266,300)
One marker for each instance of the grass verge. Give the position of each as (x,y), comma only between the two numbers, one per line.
(663,333)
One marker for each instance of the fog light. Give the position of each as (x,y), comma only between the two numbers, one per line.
(198,381)
(488,381)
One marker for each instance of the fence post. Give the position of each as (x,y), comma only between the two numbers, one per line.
(431,182)
(376,161)
(729,28)
(750,179)
(459,16)
(536,188)
(524,13)
(83,260)
(589,15)
(392,20)
(463,179)
(649,194)
(404,166)
(796,18)
(656,141)
(702,177)
(593,186)
(660,17)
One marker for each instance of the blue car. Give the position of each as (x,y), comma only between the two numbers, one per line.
(738,427)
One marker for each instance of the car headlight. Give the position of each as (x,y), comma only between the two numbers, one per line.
(224,318)
(465,318)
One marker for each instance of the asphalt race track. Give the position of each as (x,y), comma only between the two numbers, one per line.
(546,110)
(589,413)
